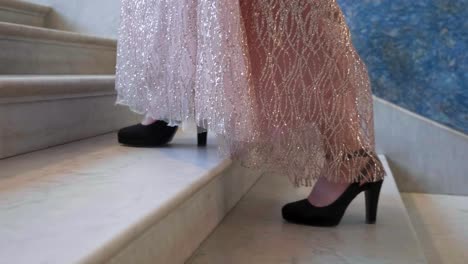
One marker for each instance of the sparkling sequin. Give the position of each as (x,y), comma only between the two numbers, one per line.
(278,81)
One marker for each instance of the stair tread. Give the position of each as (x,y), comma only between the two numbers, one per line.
(86,200)
(12,30)
(254,232)
(440,223)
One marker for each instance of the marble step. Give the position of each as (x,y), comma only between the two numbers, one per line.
(95,201)
(440,223)
(37,112)
(254,232)
(19,12)
(35,50)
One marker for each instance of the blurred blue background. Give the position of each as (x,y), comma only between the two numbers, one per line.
(416,52)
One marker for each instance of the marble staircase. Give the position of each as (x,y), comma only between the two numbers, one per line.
(94,201)
(55,86)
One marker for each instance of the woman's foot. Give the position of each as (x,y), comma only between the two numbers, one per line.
(327,202)
(305,213)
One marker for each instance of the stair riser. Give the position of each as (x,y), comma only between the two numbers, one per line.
(31,126)
(439,167)
(12,16)
(29,56)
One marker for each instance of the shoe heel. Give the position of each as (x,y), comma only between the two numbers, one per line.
(372,200)
(202,137)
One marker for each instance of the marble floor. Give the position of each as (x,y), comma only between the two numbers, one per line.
(254,233)
(440,222)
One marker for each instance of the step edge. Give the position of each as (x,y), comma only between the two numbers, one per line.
(12,31)
(23,12)
(25,7)
(30,89)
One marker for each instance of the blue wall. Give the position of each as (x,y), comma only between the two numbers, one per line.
(417,54)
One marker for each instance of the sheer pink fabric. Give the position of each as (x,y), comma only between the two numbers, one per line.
(278,81)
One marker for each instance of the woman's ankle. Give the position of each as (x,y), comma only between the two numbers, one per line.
(147,120)
(325,192)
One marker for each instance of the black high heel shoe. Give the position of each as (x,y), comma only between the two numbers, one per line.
(303,212)
(154,135)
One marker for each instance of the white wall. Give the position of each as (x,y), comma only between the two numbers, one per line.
(94,17)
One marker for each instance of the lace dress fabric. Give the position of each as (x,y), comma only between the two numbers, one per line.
(278,81)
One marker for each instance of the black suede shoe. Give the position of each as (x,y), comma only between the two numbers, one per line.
(153,135)
(303,212)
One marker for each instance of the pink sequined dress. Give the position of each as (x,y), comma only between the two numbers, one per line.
(278,81)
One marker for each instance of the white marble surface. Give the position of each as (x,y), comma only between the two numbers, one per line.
(424,155)
(174,238)
(66,204)
(254,232)
(440,222)
(49,119)
(34,50)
